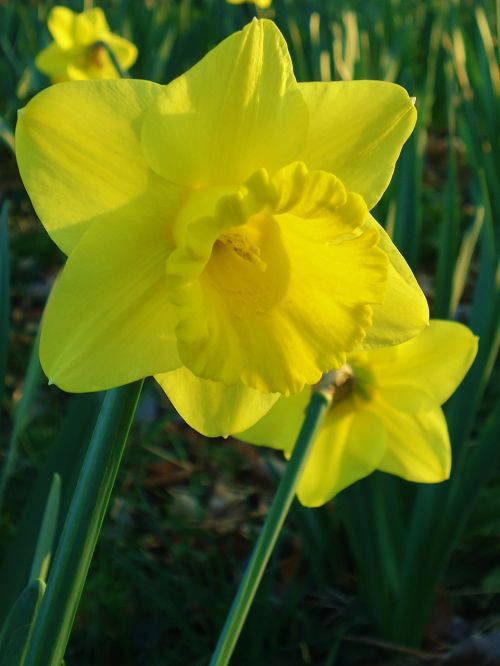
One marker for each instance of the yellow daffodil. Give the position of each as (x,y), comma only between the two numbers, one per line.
(78,50)
(385,414)
(217,229)
(262,4)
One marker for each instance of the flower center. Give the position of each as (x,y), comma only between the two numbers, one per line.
(344,382)
(243,245)
(352,380)
(97,55)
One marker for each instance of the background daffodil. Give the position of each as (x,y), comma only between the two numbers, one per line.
(77,51)
(385,415)
(263,4)
(217,228)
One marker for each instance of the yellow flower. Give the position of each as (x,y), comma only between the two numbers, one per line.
(217,228)
(77,51)
(263,4)
(385,415)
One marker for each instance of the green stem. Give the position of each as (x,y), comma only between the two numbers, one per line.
(114,60)
(316,410)
(82,526)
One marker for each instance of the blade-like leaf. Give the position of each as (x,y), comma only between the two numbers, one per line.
(18,626)
(45,544)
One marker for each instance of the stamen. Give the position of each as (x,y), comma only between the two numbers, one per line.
(240,244)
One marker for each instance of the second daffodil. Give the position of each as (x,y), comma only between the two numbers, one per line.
(78,51)
(385,414)
(218,229)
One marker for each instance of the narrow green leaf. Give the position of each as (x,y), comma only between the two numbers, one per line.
(65,459)
(34,378)
(6,134)
(18,627)
(45,544)
(407,227)
(449,220)
(82,526)
(4,295)
(462,265)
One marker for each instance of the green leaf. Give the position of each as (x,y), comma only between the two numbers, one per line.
(463,262)
(18,626)
(45,544)
(64,459)
(34,378)
(4,295)
(82,526)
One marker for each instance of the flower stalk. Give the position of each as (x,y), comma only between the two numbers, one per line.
(103,46)
(316,411)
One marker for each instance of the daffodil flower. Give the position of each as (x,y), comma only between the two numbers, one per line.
(78,50)
(262,4)
(385,414)
(218,229)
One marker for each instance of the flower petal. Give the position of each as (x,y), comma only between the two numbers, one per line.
(91,25)
(79,154)
(210,407)
(348,447)
(108,321)
(431,366)
(53,62)
(280,427)
(61,24)
(418,445)
(404,312)
(356,131)
(237,110)
(125,51)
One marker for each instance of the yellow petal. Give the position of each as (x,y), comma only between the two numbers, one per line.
(404,312)
(79,73)
(108,321)
(53,62)
(91,25)
(280,427)
(212,408)
(418,445)
(125,51)
(276,300)
(237,110)
(79,153)
(356,131)
(263,4)
(61,24)
(423,373)
(348,447)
